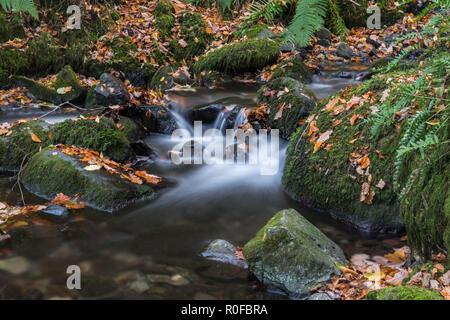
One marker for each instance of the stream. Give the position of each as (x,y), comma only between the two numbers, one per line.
(152,250)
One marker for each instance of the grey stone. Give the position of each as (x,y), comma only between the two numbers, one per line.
(344,51)
(110,91)
(223,251)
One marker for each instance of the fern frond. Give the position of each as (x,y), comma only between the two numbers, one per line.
(309,17)
(20,5)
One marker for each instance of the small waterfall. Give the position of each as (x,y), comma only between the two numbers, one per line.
(181,121)
(241,118)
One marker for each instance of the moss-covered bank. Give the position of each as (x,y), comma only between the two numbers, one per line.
(404,293)
(327,179)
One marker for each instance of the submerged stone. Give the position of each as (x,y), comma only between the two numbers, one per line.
(292,255)
(223,251)
(50,172)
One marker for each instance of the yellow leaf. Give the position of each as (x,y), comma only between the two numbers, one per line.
(376,276)
(35,138)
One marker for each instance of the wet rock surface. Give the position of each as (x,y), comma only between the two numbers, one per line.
(110,91)
(292,255)
(223,251)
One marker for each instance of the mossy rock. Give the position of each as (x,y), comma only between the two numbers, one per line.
(164,24)
(164,7)
(193,32)
(404,293)
(240,57)
(102,136)
(323,179)
(12,62)
(163,78)
(51,172)
(291,254)
(17,148)
(66,79)
(293,68)
(297,102)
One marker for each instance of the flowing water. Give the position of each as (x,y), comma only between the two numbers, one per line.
(152,250)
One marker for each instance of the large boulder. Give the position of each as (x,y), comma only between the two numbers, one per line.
(65,88)
(246,56)
(292,255)
(111,91)
(51,172)
(18,147)
(102,136)
(289,101)
(333,164)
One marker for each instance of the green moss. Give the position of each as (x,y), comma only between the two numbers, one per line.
(404,293)
(292,254)
(322,179)
(103,136)
(44,55)
(12,62)
(245,56)
(164,24)
(50,172)
(294,68)
(297,102)
(19,146)
(131,129)
(251,32)
(11,28)
(193,32)
(164,7)
(425,199)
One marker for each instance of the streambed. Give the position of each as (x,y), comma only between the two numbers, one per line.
(152,250)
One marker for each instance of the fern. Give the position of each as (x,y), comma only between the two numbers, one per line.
(335,21)
(20,5)
(309,18)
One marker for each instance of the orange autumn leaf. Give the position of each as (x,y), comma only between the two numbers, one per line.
(35,138)
(150,178)
(312,128)
(364,162)
(322,139)
(353,119)
(397,256)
